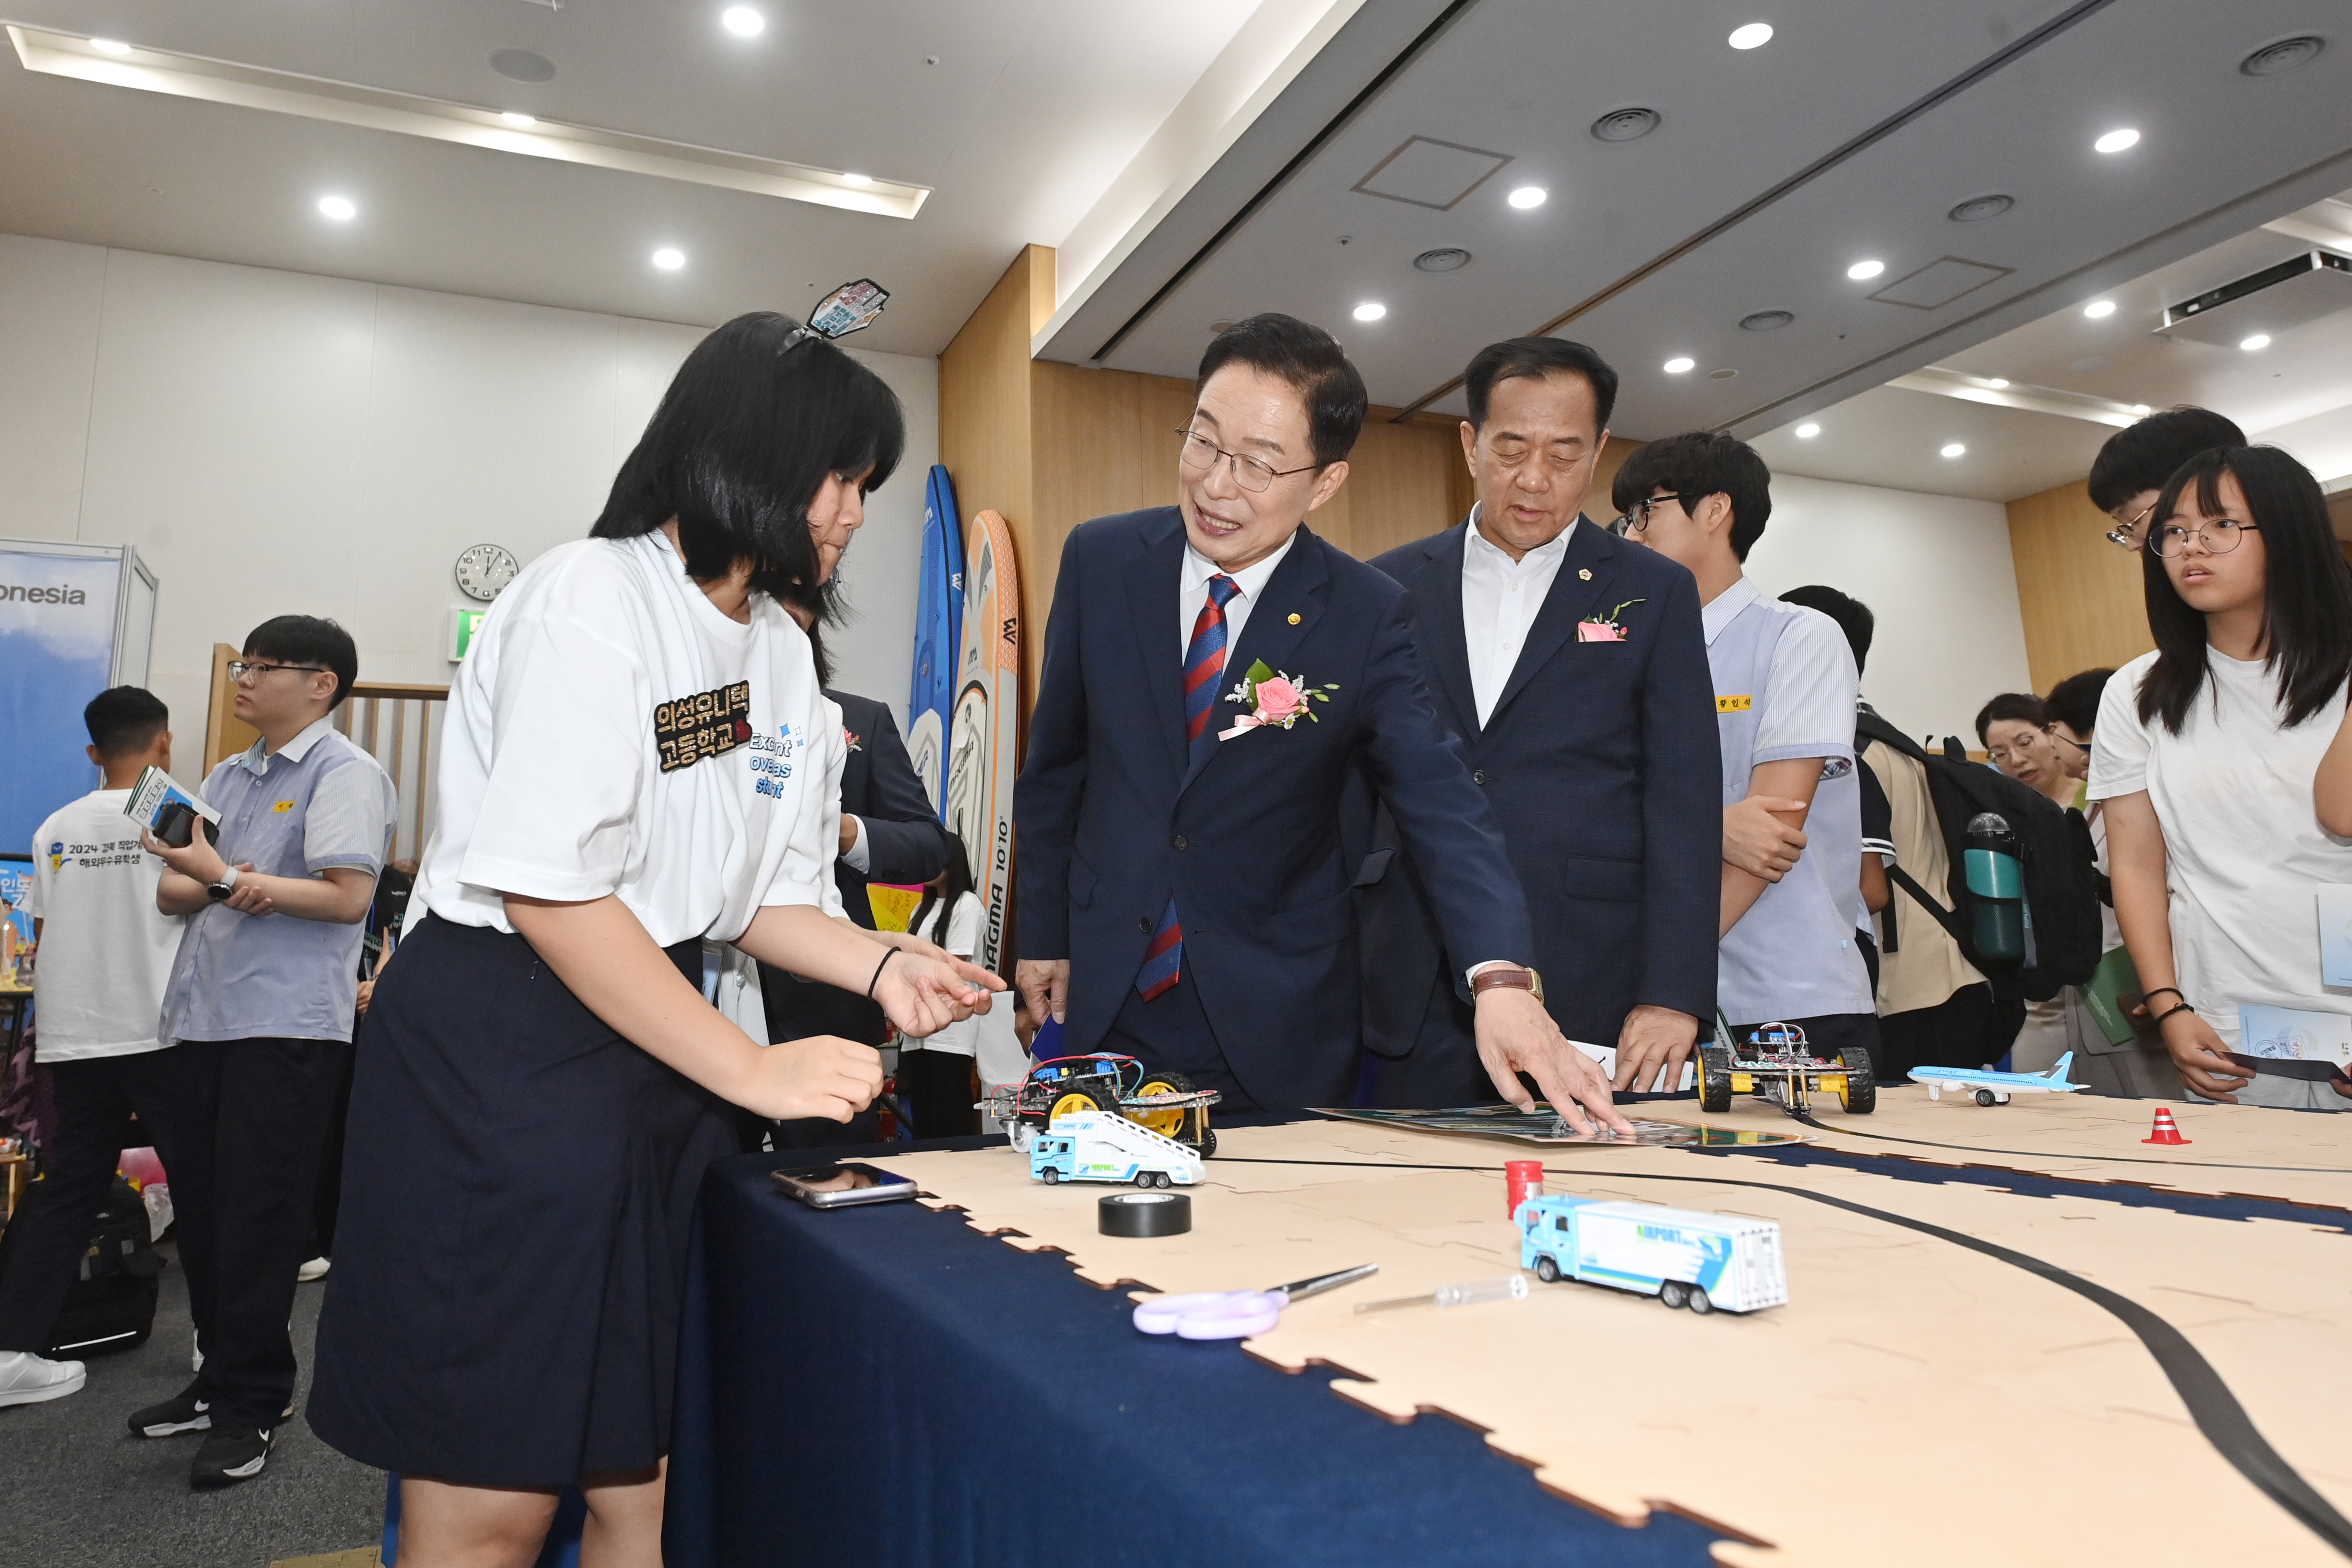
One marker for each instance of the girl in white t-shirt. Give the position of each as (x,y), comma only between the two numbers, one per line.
(636,758)
(2205,755)
(936,1074)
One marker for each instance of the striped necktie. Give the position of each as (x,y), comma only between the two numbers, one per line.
(1204,666)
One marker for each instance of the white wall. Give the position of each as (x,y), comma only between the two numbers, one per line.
(1935,571)
(275,443)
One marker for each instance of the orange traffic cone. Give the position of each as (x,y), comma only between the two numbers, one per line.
(2166,1130)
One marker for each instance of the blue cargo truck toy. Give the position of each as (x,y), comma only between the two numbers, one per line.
(1683,1258)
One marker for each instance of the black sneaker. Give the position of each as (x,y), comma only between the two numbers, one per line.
(184,1412)
(230,1455)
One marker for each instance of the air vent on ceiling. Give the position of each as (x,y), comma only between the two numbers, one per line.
(1625,124)
(1449,259)
(1766,321)
(2276,299)
(2277,59)
(523,65)
(1939,283)
(1976,209)
(1426,173)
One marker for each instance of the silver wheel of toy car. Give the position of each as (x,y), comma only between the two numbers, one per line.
(1699,1300)
(1547,1269)
(1050,1176)
(1986,1097)
(1674,1293)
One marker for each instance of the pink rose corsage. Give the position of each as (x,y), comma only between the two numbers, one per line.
(849,739)
(1604,628)
(1275,701)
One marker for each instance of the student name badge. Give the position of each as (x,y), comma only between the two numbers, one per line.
(2335,935)
(2290,1034)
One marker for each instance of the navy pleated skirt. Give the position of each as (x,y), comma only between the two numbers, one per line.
(518,1187)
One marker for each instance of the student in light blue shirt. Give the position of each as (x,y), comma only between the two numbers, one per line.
(1785,686)
(261,1001)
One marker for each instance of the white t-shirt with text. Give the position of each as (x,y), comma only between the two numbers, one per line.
(106,951)
(611,731)
(2244,853)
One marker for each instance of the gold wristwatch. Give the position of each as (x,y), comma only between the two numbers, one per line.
(1508,978)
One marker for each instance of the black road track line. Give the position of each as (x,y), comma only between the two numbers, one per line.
(2044,1154)
(2218,1414)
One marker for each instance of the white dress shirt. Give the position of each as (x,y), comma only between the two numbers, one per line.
(1500,597)
(1193,592)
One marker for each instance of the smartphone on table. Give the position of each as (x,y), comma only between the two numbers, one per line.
(844,1185)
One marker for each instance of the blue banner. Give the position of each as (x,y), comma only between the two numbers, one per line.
(56,652)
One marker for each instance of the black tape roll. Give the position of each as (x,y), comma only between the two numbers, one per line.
(1144,1213)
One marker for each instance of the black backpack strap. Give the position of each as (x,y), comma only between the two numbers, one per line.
(1944,917)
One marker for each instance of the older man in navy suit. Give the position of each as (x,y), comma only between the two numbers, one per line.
(1215,674)
(1573,672)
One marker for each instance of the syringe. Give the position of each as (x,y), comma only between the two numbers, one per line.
(1510,1287)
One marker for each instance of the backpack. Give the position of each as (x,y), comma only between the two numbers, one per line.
(111,1303)
(2062,899)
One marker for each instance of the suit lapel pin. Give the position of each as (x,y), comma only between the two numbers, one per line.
(1294,617)
(1585,573)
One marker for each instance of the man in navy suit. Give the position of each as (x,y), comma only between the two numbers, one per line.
(1572,671)
(1184,893)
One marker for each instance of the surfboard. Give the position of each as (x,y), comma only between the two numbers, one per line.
(938,627)
(984,734)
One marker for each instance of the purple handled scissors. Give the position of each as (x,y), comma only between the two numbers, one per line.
(1236,1314)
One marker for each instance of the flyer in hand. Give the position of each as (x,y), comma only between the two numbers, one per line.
(167,808)
(1542,1125)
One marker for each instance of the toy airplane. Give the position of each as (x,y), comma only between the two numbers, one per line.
(1990,1087)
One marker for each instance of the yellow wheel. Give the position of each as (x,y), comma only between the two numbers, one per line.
(1075,1100)
(1168,1124)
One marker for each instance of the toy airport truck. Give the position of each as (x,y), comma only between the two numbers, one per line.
(1681,1257)
(1103,1146)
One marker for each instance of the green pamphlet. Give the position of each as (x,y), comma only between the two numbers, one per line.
(2111,993)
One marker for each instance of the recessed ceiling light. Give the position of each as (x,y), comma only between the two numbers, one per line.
(518,121)
(2098,310)
(1863,271)
(2256,343)
(669,258)
(110,46)
(1754,35)
(742,21)
(340,208)
(1370,311)
(1954,449)
(857,179)
(2116,141)
(1807,432)
(1999,383)
(1528,197)
(1678,364)
(2142,408)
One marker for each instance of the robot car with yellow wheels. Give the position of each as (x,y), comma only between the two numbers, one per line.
(1776,1063)
(1166,1103)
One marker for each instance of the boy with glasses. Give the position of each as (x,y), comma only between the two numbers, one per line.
(1786,688)
(261,1001)
(2132,466)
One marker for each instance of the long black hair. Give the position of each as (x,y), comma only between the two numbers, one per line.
(751,425)
(2306,589)
(959,884)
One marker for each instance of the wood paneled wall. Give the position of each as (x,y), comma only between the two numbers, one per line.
(2081,598)
(1050,446)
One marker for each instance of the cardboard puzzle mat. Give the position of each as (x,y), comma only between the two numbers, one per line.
(1916,1401)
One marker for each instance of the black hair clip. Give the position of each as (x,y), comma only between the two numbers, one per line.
(848,309)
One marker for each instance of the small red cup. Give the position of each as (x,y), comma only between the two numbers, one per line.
(1524,1180)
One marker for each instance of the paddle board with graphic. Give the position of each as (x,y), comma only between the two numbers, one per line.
(983,734)
(939,641)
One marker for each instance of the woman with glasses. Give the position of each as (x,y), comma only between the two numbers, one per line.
(2207,754)
(637,756)
(2014,729)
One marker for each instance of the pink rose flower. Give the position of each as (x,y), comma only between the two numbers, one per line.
(1599,631)
(1278,700)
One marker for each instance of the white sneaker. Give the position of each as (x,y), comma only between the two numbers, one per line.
(314,1269)
(29,1379)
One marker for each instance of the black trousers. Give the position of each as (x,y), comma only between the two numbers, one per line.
(244,1190)
(1173,1032)
(1442,1071)
(95,1102)
(937,1088)
(1966,1030)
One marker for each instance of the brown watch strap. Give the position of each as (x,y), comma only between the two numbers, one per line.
(1508,977)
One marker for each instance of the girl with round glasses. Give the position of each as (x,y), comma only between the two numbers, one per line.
(2208,754)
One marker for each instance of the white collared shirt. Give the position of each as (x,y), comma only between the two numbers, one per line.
(1500,597)
(1193,592)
